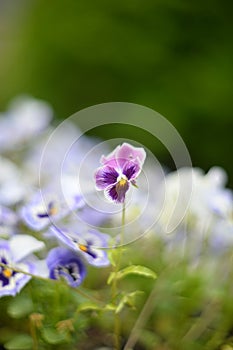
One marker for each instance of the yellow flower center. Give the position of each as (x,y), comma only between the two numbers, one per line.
(7,273)
(83,247)
(53,210)
(122,182)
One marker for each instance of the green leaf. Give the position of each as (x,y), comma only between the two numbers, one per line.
(128,300)
(53,336)
(20,306)
(113,255)
(88,306)
(6,334)
(19,342)
(132,270)
(110,307)
(111,277)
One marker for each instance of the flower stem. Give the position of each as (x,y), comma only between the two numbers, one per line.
(34,335)
(123,224)
(117,328)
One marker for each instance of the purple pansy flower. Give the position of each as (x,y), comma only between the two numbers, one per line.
(118,170)
(15,253)
(46,208)
(88,244)
(66,264)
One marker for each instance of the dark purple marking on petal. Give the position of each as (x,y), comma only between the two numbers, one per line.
(51,211)
(64,263)
(131,170)
(112,193)
(87,249)
(118,191)
(105,176)
(6,274)
(121,188)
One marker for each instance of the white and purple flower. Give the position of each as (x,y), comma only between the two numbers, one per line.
(16,254)
(90,244)
(119,169)
(67,265)
(48,207)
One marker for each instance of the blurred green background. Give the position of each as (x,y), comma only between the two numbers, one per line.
(174,56)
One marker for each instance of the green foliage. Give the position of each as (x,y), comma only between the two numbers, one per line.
(19,342)
(52,336)
(129,299)
(174,56)
(20,307)
(88,306)
(132,270)
(189,308)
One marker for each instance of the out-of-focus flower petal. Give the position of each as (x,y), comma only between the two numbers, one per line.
(67,265)
(41,268)
(11,281)
(8,221)
(90,244)
(48,207)
(23,245)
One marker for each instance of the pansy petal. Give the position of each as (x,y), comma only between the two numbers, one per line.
(38,212)
(111,193)
(98,258)
(23,245)
(29,117)
(105,176)
(116,193)
(32,217)
(93,217)
(8,220)
(128,152)
(11,282)
(9,289)
(131,170)
(41,268)
(20,278)
(66,264)
(90,244)
(63,236)
(4,246)
(110,159)
(94,243)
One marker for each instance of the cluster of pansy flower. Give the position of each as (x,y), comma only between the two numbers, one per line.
(204,226)
(27,206)
(43,211)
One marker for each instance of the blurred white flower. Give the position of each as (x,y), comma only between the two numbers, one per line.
(24,120)
(195,197)
(13,187)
